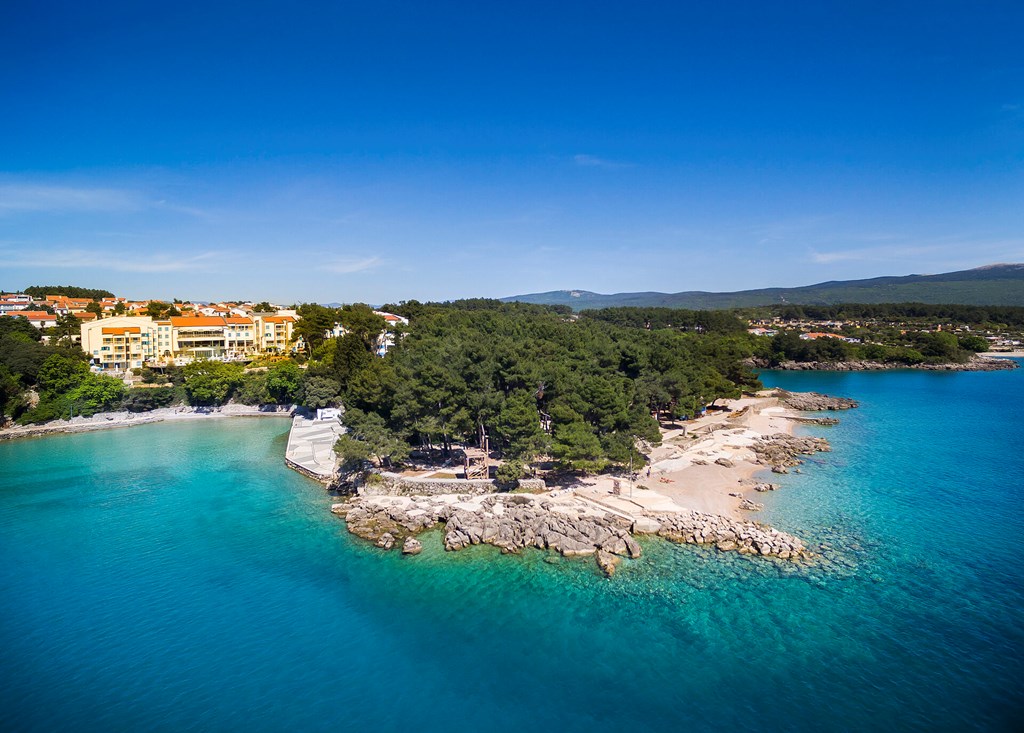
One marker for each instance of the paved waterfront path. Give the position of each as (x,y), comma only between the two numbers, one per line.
(311,446)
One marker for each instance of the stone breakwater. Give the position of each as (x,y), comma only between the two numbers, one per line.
(746,538)
(565,524)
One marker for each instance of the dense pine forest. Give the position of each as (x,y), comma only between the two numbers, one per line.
(533,379)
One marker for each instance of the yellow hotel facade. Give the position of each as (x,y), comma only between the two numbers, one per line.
(122,343)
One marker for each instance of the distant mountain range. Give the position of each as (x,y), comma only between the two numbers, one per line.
(1001,284)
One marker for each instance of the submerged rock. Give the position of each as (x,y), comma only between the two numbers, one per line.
(607,562)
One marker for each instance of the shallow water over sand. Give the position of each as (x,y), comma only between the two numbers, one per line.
(179,577)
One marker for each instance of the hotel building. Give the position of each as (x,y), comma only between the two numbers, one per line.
(129,342)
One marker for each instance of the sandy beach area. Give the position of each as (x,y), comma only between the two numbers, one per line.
(108,420)
(683,469)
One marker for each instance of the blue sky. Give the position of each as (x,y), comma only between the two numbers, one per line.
(385,151)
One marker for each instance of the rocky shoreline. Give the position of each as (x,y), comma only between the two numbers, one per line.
(569,525)
(577,524)
(591,519)
(977,364)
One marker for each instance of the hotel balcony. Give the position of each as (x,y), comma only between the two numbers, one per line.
(217,335)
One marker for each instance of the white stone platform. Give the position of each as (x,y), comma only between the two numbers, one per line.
(311,446)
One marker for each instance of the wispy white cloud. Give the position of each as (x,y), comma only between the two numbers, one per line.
(773,232)
(1000,249)
(179,208)
(349,266)
(592,161)
(826,258)
(22,197)
(80,259)
(33,197)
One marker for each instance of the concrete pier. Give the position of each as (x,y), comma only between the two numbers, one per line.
(311,447)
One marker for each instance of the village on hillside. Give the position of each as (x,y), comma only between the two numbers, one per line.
(869,329)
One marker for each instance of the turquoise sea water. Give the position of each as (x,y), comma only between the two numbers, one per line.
(179,577)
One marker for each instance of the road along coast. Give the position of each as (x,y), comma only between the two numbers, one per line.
(699,490)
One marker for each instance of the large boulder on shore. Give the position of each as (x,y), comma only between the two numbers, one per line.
(814,401)
(782,450)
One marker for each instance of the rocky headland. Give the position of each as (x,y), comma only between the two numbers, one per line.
(694,493)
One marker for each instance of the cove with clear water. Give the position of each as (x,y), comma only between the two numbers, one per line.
(178,577)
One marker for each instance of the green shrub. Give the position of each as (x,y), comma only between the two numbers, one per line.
(142,400)
(254,389)
(509,473)
(211,382)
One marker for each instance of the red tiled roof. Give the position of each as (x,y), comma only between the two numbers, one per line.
(194,321)
(35,315)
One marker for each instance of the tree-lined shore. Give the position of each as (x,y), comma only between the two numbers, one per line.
(583,391)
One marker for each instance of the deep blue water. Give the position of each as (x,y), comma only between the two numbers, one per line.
(179,577)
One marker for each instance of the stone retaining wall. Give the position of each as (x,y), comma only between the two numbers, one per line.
(306,472)
(393,484)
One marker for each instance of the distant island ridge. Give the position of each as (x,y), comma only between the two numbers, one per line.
(998,284)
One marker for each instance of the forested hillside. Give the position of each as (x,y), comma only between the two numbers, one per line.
(991,285)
